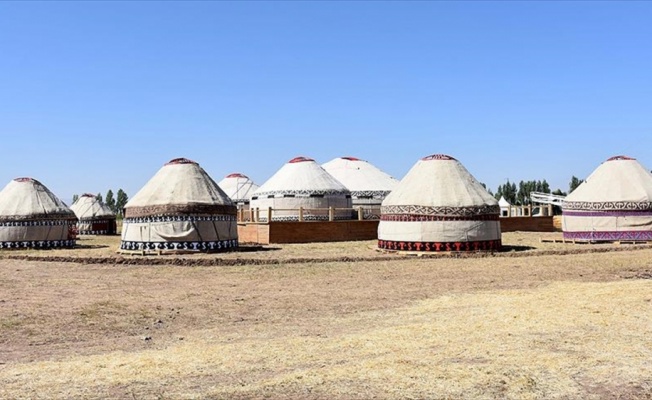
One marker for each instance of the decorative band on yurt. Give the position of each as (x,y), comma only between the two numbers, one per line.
(481,245)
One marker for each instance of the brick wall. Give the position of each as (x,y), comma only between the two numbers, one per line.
(527,224)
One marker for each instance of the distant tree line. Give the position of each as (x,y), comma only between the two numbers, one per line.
(520,195)
(115,203)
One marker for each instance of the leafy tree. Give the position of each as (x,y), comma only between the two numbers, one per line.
(574,183)
(508,191)
(558,192)
(99,197)
(110,201)
(121,200)
(75,197)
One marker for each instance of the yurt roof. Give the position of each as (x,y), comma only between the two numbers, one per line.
(620,182)
(29,199)
(88,206)
(301,175)
(441,181)
(238,186)
(181,186)
(503,203)
(360,176)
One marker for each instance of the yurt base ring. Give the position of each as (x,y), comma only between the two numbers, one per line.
(439,247)
(148,248)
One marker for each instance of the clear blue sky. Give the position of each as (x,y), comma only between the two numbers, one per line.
(99,95)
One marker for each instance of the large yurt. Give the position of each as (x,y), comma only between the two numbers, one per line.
(302,184)
(368,184)
(613,203)
(439,206)
(33,217)
(181,209)
(239,188)
(95,217)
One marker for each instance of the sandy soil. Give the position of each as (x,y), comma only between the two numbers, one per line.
(536,326)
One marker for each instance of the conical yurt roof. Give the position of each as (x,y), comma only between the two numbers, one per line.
(301,176)
(88,206)
(619,183)
(503,203)
(181,186)
(441,181)
(29,199)
(360,177)
(238,187)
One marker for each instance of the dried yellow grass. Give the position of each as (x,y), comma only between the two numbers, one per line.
(562,340)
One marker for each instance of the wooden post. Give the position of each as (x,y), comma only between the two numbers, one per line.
(251,214)
(360,214)
(330,214)
(269,214)
(257,214)
(549,210)
(529,210)
(300,214)
(509,211)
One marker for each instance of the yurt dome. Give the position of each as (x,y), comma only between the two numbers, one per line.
(180,208)
(302,184)
(239,188)
(95,217)
(613,203)
(33,217)
(367,183)
(439,206)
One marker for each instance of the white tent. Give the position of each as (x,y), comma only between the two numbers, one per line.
(614,203)
(504,207)
(302,183)
(33,217)
(180,208)
(439,206)
(95,217)
(239,188)
(367,183)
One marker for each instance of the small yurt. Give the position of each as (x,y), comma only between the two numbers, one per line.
(33,217)
(504,207)
(181,208)
(239,188)
(613,203)
(439,206)
(302,184)
(368,184)
(95,217)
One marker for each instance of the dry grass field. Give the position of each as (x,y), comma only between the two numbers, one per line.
(542,321)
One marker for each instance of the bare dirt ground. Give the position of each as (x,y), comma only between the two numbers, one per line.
(555,321)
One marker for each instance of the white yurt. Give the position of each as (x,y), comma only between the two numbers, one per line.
(33,217)
(180,208)
(504,207)
(439,206)
(239,188)
(95,217)
(302,184)
(368,184)
(613,203)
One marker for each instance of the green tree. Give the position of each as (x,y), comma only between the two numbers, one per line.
(120,202)
(75,197)
(574,183)
(99,197)
(508,191)
(110,200)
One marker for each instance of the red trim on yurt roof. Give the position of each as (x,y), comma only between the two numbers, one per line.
(351,158)
(180,160)
(237,175)
(300,159)
(438,157)
(25,179)
(88,195)
(617,158)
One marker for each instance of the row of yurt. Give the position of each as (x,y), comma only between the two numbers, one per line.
(613,203)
